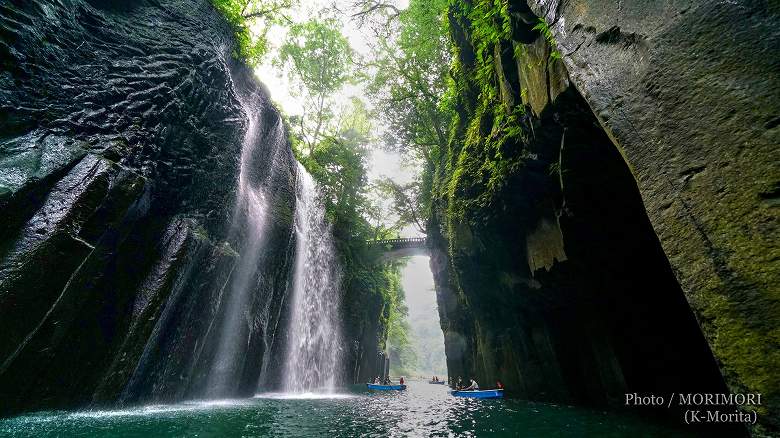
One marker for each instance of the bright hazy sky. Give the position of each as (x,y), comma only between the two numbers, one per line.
(417,281)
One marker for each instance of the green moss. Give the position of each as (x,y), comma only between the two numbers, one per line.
(544,29)
(227,250)
(199,231)
(491,154)
(742,351)
(487,142)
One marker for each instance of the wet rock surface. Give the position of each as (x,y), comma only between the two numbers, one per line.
(121,130)
(689,94)
(638,238)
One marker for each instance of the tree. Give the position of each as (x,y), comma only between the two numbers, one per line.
(365,10)
(407,200)
(251,20)
(409,89)
(411,80)
(338,162)
(318,57)
(403,357)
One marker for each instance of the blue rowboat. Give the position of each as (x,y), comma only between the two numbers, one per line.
(486,393)
(386,387)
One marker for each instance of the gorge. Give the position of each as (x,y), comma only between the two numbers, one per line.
(601,214)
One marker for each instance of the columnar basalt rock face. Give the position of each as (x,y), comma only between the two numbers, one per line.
(644,186)
(121,128)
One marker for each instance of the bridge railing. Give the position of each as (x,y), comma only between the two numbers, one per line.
(400,242)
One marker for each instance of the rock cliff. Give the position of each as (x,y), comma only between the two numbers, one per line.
(122,127)
(605,217)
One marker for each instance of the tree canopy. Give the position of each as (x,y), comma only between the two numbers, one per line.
(318,58)
(409,86)
(252,20)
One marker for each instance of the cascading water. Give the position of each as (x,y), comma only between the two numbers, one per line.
(314,336)
(215,336)
(249,222)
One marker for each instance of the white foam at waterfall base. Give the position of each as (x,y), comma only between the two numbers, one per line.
(304,396)
(314,339)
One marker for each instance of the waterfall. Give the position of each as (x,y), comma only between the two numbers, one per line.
(314,337)
(249,224)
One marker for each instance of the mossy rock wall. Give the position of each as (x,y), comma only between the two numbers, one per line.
(688,93)
(607,210)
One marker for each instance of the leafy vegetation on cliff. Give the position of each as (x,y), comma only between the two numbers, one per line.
(251,21)
(441,93)
(544,29)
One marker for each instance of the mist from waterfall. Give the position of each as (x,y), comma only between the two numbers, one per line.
(312,361)
(249,222)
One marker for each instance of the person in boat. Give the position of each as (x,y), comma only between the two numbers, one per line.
(472,386)
(459,385)
(376,380)
(387,381)
(499,385)
(401,381)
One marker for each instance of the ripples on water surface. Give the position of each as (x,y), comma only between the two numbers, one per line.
(422,410)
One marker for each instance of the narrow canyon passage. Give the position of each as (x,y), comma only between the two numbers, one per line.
(255,217)
(421,350)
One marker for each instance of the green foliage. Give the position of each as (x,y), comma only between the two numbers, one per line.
(490,25)
(409,90)
(318,58)
(338,164)
(483,171)
(487,140)
(251,20)
(408,201)
(317,55)
(403,358)
(544,29)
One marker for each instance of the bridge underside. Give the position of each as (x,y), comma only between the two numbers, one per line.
(397,253)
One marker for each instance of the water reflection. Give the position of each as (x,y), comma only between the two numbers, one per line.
(422,410)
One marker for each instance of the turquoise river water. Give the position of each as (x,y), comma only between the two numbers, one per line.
(422,410)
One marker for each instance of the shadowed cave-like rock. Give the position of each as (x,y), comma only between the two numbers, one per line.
(568,295)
